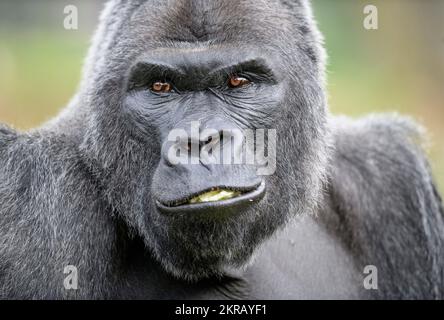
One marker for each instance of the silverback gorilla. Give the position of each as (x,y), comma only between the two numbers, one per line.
(94,188)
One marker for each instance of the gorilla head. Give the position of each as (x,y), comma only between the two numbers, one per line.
(160,65)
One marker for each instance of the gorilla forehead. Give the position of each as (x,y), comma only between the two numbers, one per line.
(210,20)
(168,23)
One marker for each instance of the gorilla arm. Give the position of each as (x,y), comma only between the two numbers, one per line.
(386,208)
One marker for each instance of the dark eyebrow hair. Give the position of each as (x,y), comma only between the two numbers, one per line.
(145,71)
(257,68)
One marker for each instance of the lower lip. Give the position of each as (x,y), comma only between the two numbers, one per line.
(222,207)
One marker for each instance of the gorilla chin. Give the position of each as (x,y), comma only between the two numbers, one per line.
(204,234)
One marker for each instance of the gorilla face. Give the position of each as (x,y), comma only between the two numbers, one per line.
(223,65)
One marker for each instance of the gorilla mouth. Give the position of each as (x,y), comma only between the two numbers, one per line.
(215,198)
(216,194)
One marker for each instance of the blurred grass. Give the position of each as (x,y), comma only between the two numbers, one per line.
(39,73)
(399,67)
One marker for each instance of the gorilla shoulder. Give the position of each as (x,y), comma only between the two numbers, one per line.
(7,136)
(386,205)
(379,155)
(33,165)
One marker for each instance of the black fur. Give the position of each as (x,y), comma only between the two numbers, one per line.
(81,189)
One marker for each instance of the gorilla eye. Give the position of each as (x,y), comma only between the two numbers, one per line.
(161,87)
(237,82)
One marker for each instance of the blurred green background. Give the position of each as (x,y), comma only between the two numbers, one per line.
(399,67)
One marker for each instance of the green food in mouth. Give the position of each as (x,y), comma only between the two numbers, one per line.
(215,195)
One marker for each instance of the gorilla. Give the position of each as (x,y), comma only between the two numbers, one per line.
(350,212)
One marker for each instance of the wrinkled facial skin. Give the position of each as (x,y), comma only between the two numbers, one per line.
(195,46)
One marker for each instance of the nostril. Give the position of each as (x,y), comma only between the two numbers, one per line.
(221,139)
(205,142)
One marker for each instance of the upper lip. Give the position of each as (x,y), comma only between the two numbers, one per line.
(248,195)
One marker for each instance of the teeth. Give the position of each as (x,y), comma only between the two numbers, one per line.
(215,195)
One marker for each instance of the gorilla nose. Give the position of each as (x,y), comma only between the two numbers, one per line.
(211,142)
(203,170)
